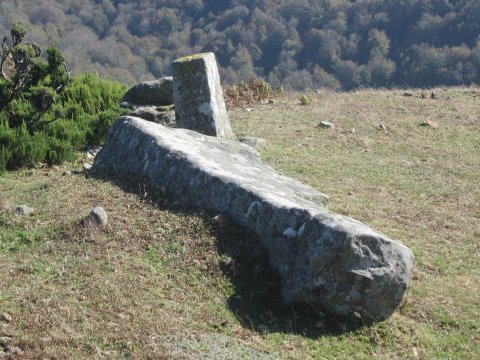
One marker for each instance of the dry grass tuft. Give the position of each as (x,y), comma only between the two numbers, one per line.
(248,94)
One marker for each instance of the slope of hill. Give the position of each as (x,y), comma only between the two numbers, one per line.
(163,282)
(298,44)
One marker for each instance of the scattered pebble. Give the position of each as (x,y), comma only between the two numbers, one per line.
(23,210)
(67,173)
(430,123)
(326,124)
(6,317)
(407,94)
(97,217)
(434,95)
(415,352)
(383,128)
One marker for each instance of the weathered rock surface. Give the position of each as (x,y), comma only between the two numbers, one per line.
(198,96)
(156,92)
(323,259)
(98,217)
(163,115)
(23,210)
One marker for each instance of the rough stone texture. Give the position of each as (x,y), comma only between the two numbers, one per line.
(157,114)
(332,261)
(24,210)
(198,96)
(97,217)
(156,92)
(6,317)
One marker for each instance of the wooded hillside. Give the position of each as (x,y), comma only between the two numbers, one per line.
(299,44)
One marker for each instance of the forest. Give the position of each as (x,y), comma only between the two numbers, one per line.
(297,44)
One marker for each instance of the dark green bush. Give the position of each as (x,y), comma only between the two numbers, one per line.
(80,117)
(44,115)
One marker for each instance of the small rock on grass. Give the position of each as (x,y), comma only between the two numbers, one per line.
(326,124)
(6,317)
(430,123)
(97,217)
(5,340)
(23,210)
(87,167)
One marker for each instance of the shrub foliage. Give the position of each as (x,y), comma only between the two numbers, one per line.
(44,115)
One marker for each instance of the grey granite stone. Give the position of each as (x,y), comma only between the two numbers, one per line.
(198,96)
(332,262)
(156,92)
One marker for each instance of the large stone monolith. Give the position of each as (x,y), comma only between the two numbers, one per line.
(323,259)
(198,96)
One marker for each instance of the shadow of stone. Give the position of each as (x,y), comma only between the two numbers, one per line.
(257,302)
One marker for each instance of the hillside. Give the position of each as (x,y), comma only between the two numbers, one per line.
(166,282)
(337,44)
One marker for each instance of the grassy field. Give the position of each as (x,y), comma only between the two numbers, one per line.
(161,282)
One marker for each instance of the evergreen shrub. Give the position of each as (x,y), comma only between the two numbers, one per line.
(45,116)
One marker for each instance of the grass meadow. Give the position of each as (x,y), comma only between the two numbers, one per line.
(167,282)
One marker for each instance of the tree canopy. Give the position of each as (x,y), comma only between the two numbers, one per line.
(339,44)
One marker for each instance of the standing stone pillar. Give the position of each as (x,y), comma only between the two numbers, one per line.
(198,96)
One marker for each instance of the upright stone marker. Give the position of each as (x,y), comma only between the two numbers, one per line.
(198,96)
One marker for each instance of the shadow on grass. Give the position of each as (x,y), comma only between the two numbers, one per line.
(257,302)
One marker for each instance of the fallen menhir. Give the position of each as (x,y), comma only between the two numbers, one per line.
(333,261)
(323,259)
